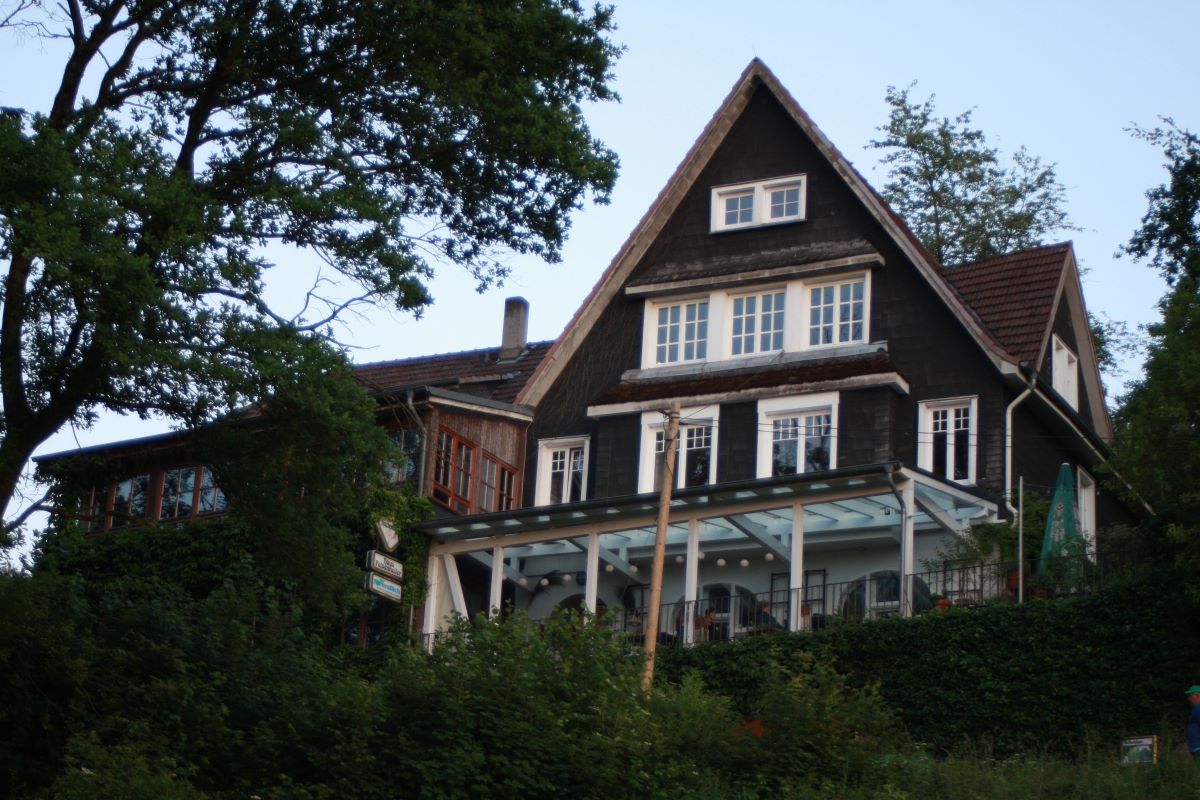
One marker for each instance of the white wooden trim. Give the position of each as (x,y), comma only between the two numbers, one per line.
(456,592)
(796,570)
(789,405)
(692,416)
(593,571)
(496,595)
(907,547)
(691,580)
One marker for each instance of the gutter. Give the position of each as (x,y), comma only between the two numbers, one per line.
(416,418)
(1031,384)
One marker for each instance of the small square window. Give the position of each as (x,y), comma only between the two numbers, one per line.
(785,202)
(739,209)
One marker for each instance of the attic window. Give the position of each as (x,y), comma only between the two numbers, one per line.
(1065,373)
(750,205)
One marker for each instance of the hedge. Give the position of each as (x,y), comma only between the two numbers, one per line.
(1045,675)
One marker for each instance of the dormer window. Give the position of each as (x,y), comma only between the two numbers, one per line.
(749,205)
(826,313)
(1065,373)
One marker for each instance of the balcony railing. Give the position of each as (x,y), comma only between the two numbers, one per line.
(880,594)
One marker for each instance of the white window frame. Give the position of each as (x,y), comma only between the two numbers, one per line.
(1085,516)
(777,294)
(655,421)
(546,448)
(1064,372)
(760,195)
(719,342)
(925,436)
(771,409)
(805,323)
(650,330)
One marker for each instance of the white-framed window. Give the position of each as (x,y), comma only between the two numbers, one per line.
(837,312)
(768,202)
(1086,511)
(797,434)
(1064,373)
(696,453)
(562,470)
(947,437)
(756,322)
(801,314)
(681,332)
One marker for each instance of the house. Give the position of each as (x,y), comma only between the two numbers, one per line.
(460,439)
(849,406)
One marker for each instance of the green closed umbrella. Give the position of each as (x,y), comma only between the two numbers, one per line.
(1063,547)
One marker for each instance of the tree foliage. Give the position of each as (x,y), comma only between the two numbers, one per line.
(1158,424)
(953,190)
(185,135)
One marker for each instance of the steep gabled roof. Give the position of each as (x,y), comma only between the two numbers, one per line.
(1017,297)
(1014,295)
(756,74)
(476,372)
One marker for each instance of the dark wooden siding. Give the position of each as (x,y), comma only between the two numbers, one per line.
(737,442)
(618,441)
(865,426)
(931,348)
(763,143)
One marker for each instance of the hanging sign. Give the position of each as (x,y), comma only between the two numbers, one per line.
(387,535)
(378,562)
(378,584)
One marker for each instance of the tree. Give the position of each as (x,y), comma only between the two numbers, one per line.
(1159,422)
(186,134)
(950,187)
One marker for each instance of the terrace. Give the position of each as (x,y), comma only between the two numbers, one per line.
(790,553)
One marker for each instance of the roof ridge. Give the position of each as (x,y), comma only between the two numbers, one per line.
(1028,251)
(436,356)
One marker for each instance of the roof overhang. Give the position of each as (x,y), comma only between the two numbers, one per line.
(826,491)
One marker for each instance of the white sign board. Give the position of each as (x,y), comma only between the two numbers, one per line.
(387,535)
(378,562)
(377,584)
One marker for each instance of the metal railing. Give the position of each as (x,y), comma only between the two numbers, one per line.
(880,594)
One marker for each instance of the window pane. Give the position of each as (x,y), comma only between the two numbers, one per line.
(785,439)
(785,202)
(576,473)
(818,431)
(698,443)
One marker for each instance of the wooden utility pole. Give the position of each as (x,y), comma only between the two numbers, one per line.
(650,632)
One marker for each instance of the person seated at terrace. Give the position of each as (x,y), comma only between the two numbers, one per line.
(764,619)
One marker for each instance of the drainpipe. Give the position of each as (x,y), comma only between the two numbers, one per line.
(416,418)
(1008,433)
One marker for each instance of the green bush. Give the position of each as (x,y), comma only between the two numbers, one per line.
(1026,678)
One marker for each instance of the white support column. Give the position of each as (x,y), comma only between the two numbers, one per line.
(496,595)
(591,588)
(908,560)
(433,616)
(456,592)
(796,572)
(691,581)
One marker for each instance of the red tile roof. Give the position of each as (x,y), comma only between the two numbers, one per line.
(1013,295)
(477,372)
(736,380)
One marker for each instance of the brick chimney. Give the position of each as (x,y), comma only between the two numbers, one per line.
(516,328)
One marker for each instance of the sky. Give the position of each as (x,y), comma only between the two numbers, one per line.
(1065,79)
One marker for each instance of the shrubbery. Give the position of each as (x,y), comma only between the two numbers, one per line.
(1026,678)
